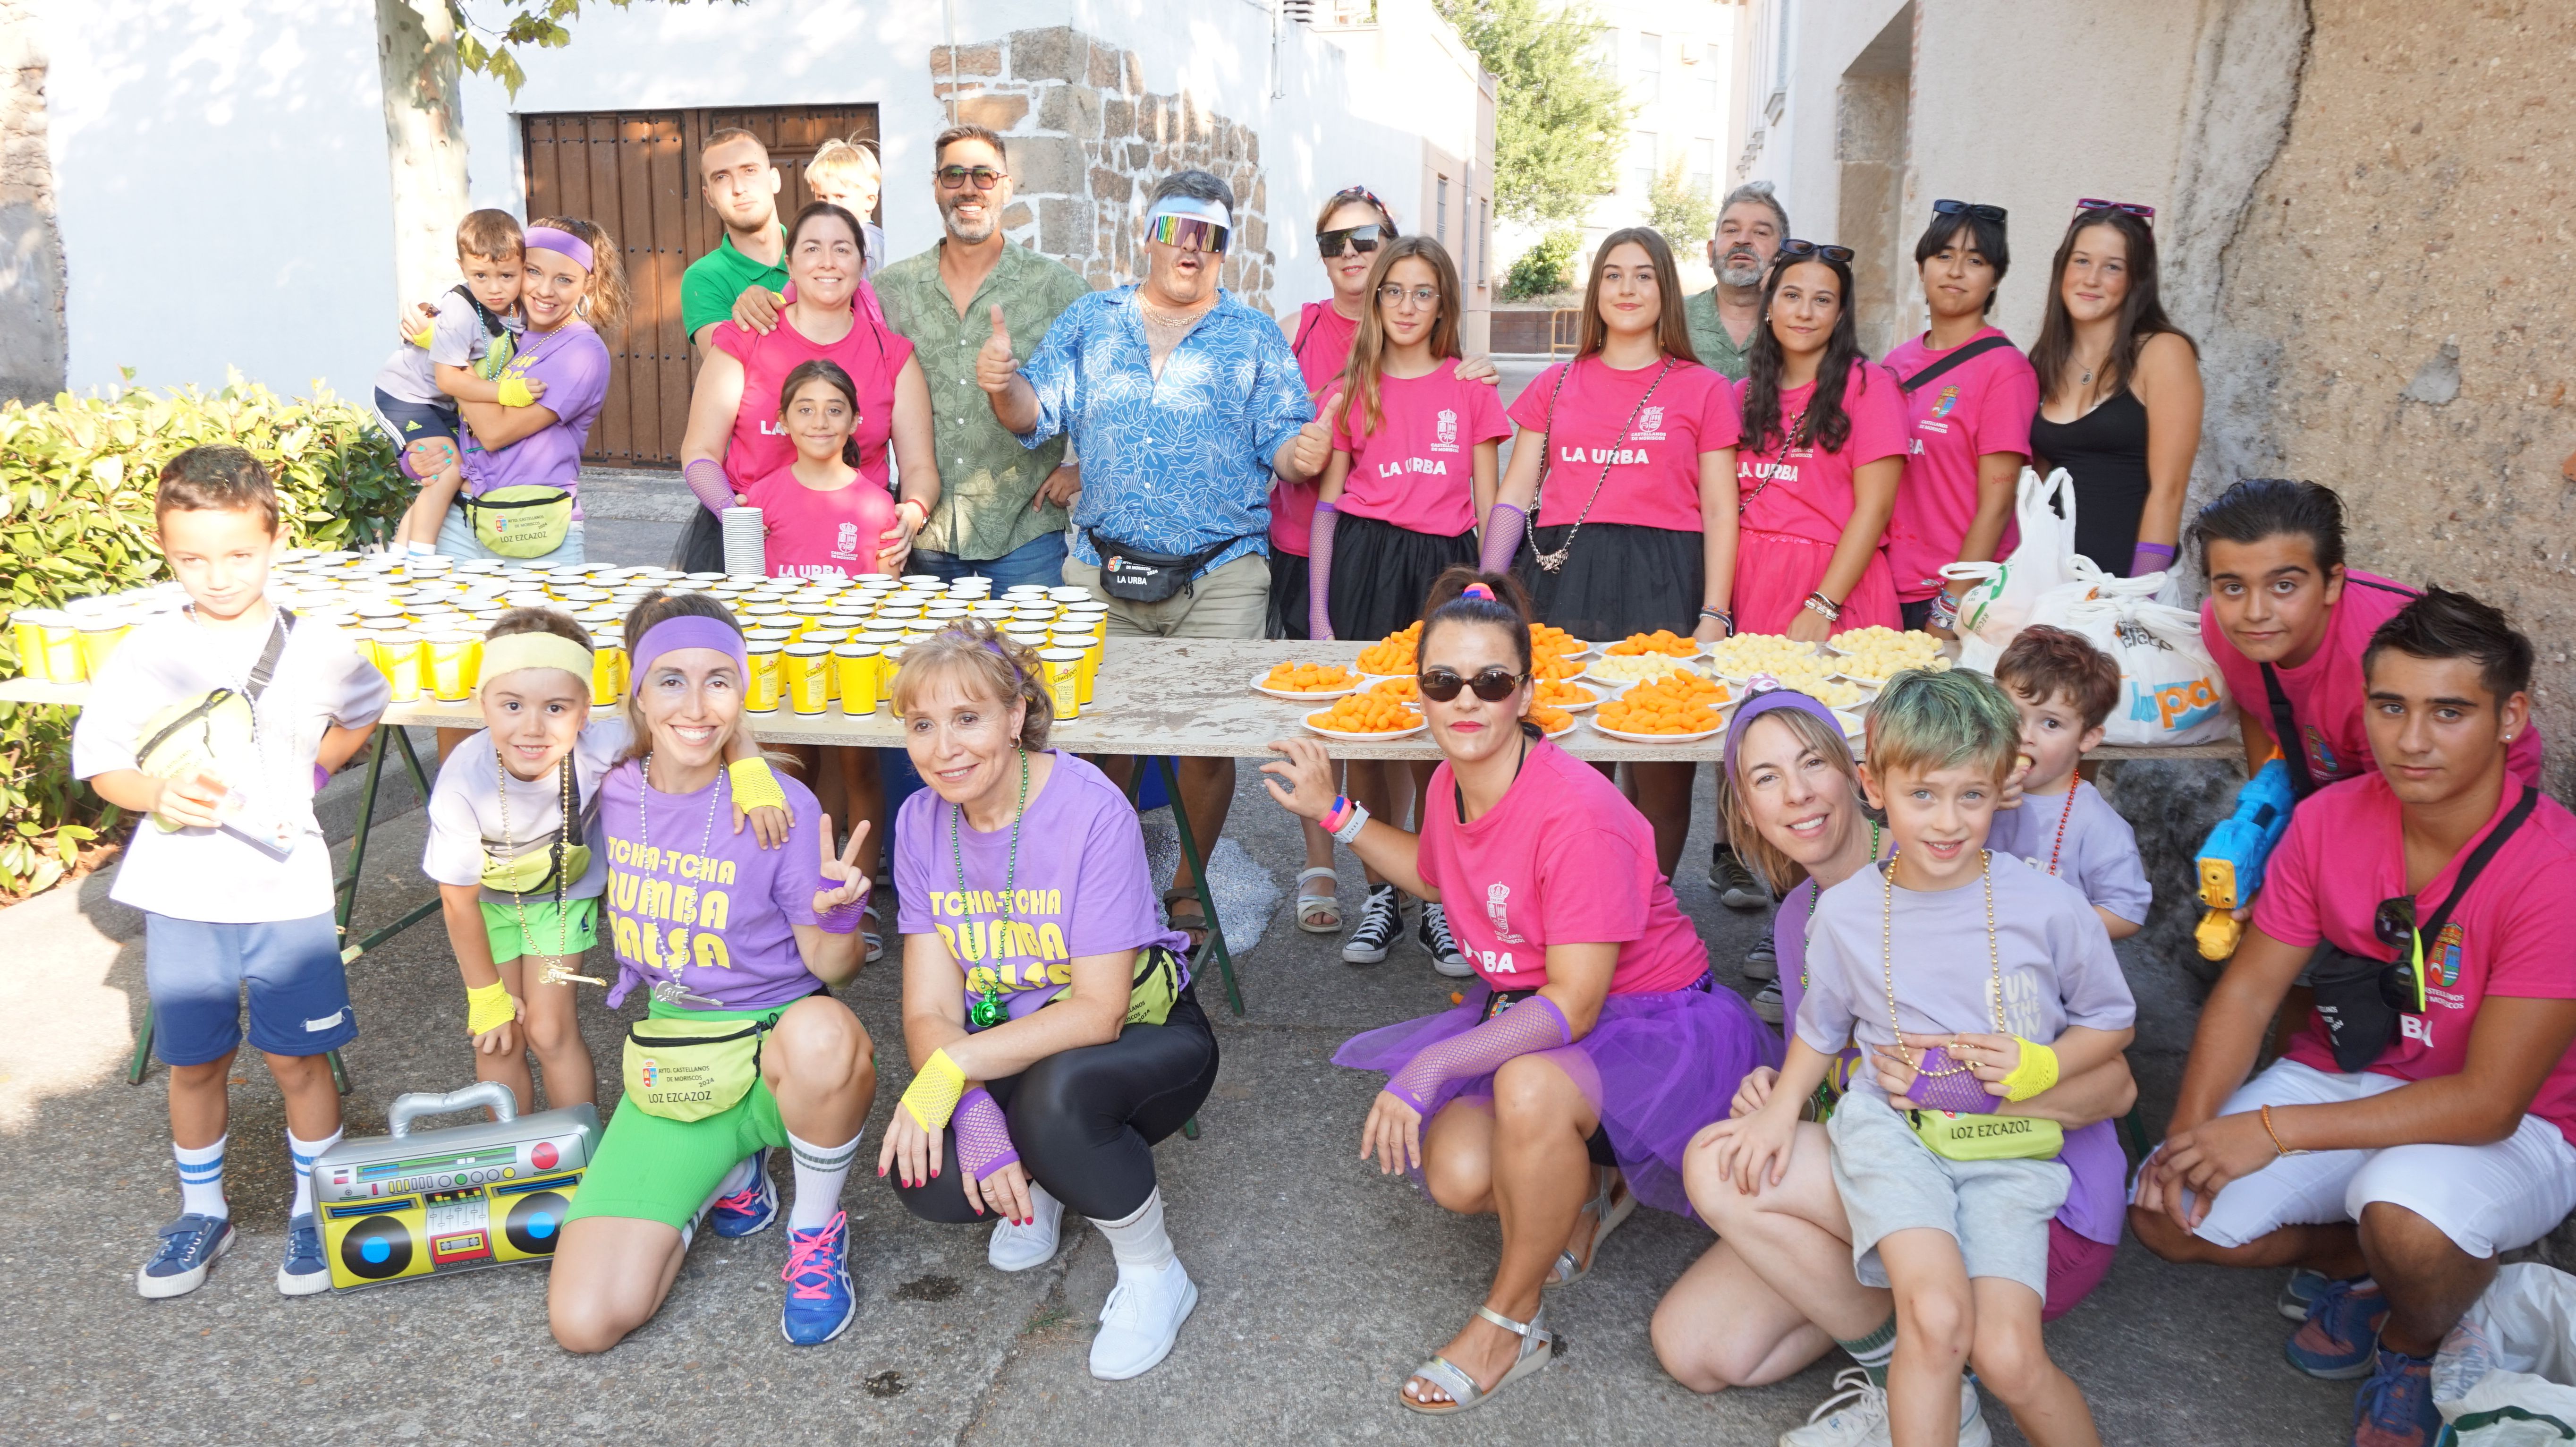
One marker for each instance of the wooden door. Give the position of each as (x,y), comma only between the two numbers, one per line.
(635,173)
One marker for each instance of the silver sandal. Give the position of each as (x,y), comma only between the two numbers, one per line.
(1318,914)
(1538,1348)
(1606,1217)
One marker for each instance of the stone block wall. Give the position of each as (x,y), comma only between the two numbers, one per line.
(1087,143)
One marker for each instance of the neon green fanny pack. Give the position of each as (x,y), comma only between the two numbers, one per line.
(536,872)
(526,521)
(1961,1137)
(686,1070)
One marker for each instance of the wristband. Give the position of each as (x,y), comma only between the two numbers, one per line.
(421,338)
(1332,819)
(2150,558)
(488,1008)
(932,1097)
(1824,607)
(1349,829)
(2036,1072)
(321,778)
(1945,609)
(754,787)
(1721,615)
(983,1135)
(514,393)
(842,918)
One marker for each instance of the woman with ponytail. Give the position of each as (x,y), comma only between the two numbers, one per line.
(1564,1089)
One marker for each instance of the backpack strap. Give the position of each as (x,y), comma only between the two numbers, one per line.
(1952,358)
(491,322)
(2285,737)
(266,668)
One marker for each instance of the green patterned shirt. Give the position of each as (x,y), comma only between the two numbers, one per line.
(1716,349)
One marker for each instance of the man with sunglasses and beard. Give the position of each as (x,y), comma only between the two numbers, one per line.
(1722,318)
(2420,1125)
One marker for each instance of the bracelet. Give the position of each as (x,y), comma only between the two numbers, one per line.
(932,1097)
(488,1008)
(1824,607)
(1349,829)
(1332,819)
(1720,614)
(901,503)
(2266,1114)
(1945,608)
(2035,1072)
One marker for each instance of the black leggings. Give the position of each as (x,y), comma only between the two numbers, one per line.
(1085,1121)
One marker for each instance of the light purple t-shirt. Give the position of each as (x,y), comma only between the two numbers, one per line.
(2099,856)
(1080,887)
(693,899)
(573,363)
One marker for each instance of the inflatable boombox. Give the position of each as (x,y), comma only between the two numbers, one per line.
(404,1205)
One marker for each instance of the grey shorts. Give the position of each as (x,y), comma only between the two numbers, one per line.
(1229,601)
(1998,1211)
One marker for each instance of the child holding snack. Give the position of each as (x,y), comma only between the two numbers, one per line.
(823,516)
(2064,688)
(456,354)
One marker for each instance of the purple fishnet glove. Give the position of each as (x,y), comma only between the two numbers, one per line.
(1533,1024)
(1962,1093)
(1505,526)
(706,478)
(1319,572)
(2150,558)
(983,1137)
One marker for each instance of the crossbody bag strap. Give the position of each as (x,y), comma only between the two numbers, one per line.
(1952,358)
(2285,737)
(2476,863)
(1547,446)
(266,668)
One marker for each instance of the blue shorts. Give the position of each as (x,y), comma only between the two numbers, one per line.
(410,422)
(1039,560)
(194,971)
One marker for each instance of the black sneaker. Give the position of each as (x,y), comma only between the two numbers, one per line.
(1433,935)
(1736,886)
(1380,923)
(1762,962)
(1767,1002)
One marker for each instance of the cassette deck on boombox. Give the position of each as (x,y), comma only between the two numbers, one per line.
(412,1204)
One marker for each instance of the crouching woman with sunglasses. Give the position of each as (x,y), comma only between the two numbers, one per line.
(1565,1088)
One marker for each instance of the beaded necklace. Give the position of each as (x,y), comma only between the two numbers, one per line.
(2062,816)
(988,1009)
(1887,959)
(563,843)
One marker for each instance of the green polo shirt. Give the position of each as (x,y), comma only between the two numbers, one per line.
(712,282)
(986,478)
(1708,335)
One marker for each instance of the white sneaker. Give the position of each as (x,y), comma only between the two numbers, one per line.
(1015,1247)
(1973,1431)
(1855,1416)
(1141,1321)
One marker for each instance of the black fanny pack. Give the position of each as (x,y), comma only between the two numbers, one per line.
(1134,575)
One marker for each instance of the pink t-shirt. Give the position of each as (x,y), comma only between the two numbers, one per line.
(2345,853)
(1322,345)
(1654,478)
(1564,858)
(1417,470)
(870,353)
(2326,693)
(821,534)
(1810,490)
(1980,406)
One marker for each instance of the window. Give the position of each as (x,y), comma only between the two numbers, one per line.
(1440,214)
(1779,60)
(1648,87)
(1703,167)
(1641,161)
(1704,86)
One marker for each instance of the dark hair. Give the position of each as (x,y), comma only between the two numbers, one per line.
(1985,237)
(217,477)
(1827,424)
(1672,331)
(1368,345)
(2267,507)
(2142,315)
(539,620)
(1508,609)
(1197,185)
(966,131)
(2444,624)
(1755,191)
(490,233)
(655,607)
(829,373)
(828,210)
(2043,662)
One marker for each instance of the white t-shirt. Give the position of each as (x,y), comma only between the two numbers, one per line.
(465,810)
(217,875)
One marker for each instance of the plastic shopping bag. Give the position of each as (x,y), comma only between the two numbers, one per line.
(2170,689)
(2506,1375)
(2001,603)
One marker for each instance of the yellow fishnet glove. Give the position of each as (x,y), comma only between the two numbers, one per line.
(488,1008)
(932,1096)
(754,787)
(2036,1072)
(514,392)
(420,338)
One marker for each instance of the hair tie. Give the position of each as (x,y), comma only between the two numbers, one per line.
(1477,590)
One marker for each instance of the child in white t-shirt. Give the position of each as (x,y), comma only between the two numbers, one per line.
(2065,688)
(221,722)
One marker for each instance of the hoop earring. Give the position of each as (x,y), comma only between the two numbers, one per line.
(581,308)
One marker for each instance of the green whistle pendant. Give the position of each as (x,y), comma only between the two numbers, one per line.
(987,1011)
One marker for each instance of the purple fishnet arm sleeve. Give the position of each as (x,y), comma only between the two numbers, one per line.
(1962,1092)
(1505,526)
(1533,1024)
(983,1137)
(1319,572)
(706,478)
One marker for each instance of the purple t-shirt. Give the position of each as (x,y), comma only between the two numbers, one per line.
(689,897)
(2099,855)
(573,363)
(1080,886)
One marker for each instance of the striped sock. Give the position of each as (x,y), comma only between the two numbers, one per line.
(820,1174)
(304,1153)
(201,1180)
(1873,1351)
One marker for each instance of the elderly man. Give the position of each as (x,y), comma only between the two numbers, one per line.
(1183,403)
(1722,318)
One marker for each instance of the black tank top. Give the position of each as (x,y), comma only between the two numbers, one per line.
(2105,452)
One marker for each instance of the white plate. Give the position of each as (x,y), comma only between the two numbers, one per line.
(1560,733)
(1853,728)
(1626,737)
(1863,679)
(1328,694)
(1388,737)
(1592,686)
(1588,676)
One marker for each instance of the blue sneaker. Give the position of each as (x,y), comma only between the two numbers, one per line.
(2300,1291)
(2342,1331)
(820,1299)
(2395,1407)
(188,1247)
(303,1272)
(749,1211)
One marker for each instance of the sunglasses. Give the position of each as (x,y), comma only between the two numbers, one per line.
(1420,295)
(1362,239)
(1493,685)
(2131,208)
(1825,252)
(1187,232)
(2401,985)
(952,178)
(1978,209)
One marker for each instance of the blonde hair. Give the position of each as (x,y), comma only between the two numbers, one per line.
(604,299)
(1924,721)
(838,160)
(1814,736)
(989,665)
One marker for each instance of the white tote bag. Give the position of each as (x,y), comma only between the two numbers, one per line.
(2043,560)
(2506,1375)
(2170,689)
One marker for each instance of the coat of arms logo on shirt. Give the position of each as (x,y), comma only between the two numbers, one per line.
(1448,429)
(1496,896)
(2442,962)
(1949,399)
(848,543)
(1650,422)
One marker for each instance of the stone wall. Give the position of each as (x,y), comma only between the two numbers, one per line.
(1087,144)
(31,251)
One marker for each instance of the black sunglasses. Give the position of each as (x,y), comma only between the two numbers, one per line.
(1493,685)
(952,178)
(1978,209)
(1823,252)
(2401,985)
(1363,239)
(2128,208)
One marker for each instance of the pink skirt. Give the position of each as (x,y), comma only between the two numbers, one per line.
(1774,573)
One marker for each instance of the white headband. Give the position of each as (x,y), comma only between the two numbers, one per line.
(1192,208)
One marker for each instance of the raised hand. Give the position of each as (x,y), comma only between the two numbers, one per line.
(1312,449)
(844,883)
(995,366)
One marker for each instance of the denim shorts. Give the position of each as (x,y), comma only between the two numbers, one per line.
(195,971)
(1039,560)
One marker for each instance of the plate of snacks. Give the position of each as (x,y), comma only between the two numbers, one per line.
(1547,639)
(1367,716)
(1555,667)
(1555,723)
(1405,690)
(1746,654)
(1875,654)
(1391,656)
(1291,680)
(1676,710)
(1662,640)
(1620,670)
(1564,694)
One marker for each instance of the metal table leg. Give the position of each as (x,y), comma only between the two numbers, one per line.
(1198,871)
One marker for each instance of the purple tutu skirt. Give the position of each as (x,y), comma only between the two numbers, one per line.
(1657,1067)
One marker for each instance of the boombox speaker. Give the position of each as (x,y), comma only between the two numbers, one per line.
(424,1203)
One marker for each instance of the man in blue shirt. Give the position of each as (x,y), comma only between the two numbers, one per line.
(1182,403)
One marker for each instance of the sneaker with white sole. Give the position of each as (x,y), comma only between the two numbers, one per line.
(1015,1247)
(1856,1416)
(1433,935)
(2300,1292)
(1769,1004)
(303,1272)
(1737,887)
(1762,962)
(187,1251)
(1380,923)
(749,1211)
(821,1301)
(1141,1320)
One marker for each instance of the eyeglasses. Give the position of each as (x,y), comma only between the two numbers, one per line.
(1362,239)
(1420,295)
(1493,685)
(1793,247)
(953,177)
(2132,208)
(2401,985)
(1978,209)
(1186,232)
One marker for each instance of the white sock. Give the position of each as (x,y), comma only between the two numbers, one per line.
(743,1173)
(820,1173)
(689,1228)
(201,1180)
(304,1153)
(1139,1242)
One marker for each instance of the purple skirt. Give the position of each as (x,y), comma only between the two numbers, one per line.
(1657,1067)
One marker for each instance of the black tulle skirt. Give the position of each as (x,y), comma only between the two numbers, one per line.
(1621,579)
(1381,573)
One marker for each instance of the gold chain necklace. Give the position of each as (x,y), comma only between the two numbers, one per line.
(1887,961)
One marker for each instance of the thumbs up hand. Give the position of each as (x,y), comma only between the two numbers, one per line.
(1312,448)
(994,364)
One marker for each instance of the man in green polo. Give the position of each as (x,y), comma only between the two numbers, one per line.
(1722,318)
(741,186)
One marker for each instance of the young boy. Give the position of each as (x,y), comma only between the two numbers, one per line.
(456,355)
(847,175)
(231,872)
(2064,688)
(1974,942)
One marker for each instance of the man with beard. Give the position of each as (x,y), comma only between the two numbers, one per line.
(1723,317)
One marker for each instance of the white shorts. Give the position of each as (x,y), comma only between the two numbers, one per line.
(2487,1199)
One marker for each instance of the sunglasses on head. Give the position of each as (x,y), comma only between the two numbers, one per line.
(953,178)
(2129,208)
(1186,232)
(1493,685)
(2401,985)
(1362,239)
(1793,247)
(1978,209)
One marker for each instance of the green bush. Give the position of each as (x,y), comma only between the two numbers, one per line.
(1544,268)
(76,481)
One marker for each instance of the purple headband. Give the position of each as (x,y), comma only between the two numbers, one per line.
(687,631)
(549,238)
(1768,701)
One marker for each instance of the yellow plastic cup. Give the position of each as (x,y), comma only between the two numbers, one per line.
(27,632)
(858,667)
(451,666)
(1064,680)
(607,669)
(1090,649)
(400,654)
(1029,636)
(57,654)
(805,676)
(761,691)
